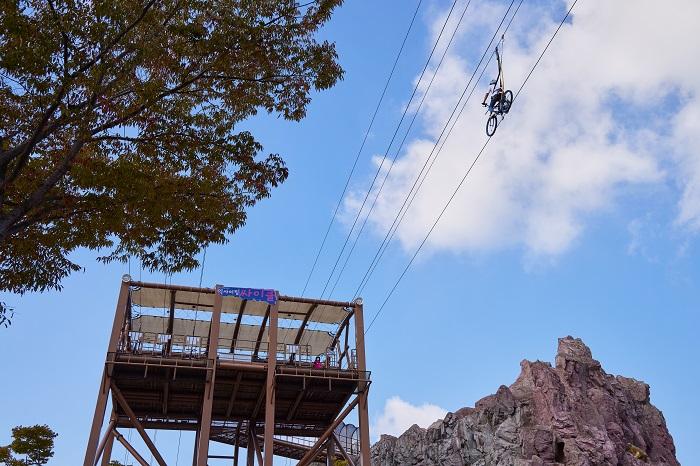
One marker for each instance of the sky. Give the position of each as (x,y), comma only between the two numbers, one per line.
(581,217)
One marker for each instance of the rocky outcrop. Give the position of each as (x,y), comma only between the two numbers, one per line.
(573,414)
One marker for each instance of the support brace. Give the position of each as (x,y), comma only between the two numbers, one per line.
(105,440)
(130,448)
(117,394)
(342,450)
(313,451)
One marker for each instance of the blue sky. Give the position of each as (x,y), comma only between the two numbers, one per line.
(581,219)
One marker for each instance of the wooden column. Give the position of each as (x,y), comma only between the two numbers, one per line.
(107,454)
(270,391)
(130,448)
(108,439)
(121,401)
(362,407)
(103,393)
(208,401)
(196,444)
(250,449)
(342,450)
(171,324)
(236,448)
(256,447)
(313,451)
(330,451)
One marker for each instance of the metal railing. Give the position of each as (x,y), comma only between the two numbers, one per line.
(245,350)
(164,344)
(196,347)
(348,435)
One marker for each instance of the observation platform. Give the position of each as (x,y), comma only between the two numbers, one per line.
(202,360)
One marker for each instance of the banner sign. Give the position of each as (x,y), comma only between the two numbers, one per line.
(253,294)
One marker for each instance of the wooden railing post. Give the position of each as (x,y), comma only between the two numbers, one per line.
(362,407)
(103,393)
(208,400)
(270,389)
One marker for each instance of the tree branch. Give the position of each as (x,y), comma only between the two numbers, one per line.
(38,195)
(83,68)
(41,131)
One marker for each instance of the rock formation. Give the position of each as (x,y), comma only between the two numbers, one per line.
(572,414)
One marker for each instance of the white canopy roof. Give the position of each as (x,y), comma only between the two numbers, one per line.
(204,301)
(319,341)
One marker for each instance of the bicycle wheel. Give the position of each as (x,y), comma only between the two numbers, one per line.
(506,101)
(491,125)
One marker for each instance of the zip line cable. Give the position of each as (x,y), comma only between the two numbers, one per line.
(413,192)
(398,126)
(398,150)
(471,166)
(364,140)
(395,225)
(357,291)
(359,152)
(391,142)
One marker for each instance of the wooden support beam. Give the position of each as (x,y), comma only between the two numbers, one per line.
(363,386)
(311,310)
(130,448)
(250,449)
(258,404)
(127,323)
(256,447)
(347,337)
(171,324)
(343,324)
(106,440)
(236,448)
(262,332)
(107,454)
(233,394)
(103,393)
(330,452)
(193,305)
(346,349)
(208,401)
(171,313)
(117,394)
(166,390)
(196,445)
(342,450)
(313,451)
(270,385)
(237,328)
(297,401)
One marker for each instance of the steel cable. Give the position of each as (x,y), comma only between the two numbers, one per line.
(379,168)
(411,195)
(461,182)
(398,150)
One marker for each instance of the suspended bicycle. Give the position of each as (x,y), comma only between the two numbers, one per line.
(501,100)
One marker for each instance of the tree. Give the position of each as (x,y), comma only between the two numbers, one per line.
(118,124)
(6,314)
(35,443)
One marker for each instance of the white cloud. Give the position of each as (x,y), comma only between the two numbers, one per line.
(687,146)
(592,122)
(399,415)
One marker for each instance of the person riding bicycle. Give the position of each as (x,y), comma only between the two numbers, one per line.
(501,98)
(496,94)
